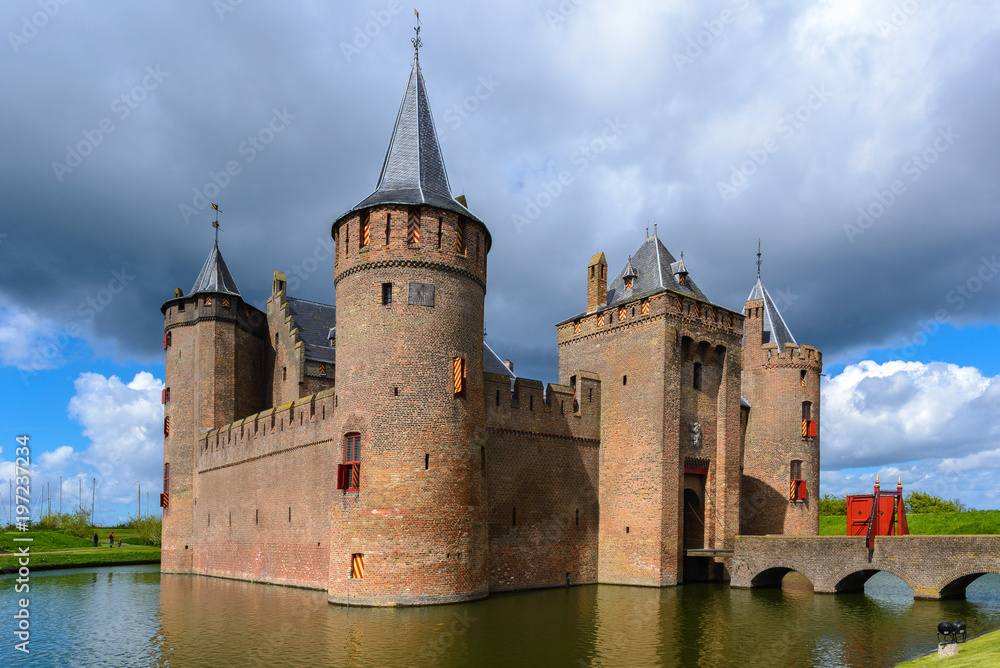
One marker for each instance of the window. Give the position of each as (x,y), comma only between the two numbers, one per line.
(576,327)
(460,237)
(413,226)
(645,307)
(624,380)
(458,373)
(284,373)
(347,241)
(349,473)
(165,395)
(427,460)
(600,320)
(797,486)
(365,236)
(696,384)
(809,426)
(498,398)
(166,426)
(621,314)
(513,517)
(168,340)
(388,227)
(166,478)
(440,225)
(802,378)
(386,294)
(577,517)
(482,460)
(322,369)
(628,283)
(357,566)
(208,301)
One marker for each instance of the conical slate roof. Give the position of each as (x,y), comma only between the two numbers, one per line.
(215,276)
(652,265)
(413,172)
(775,329)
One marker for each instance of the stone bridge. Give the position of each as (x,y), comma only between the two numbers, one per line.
(933,566)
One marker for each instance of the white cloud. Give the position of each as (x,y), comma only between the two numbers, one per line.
(124,426)
(935,424)
(28,342)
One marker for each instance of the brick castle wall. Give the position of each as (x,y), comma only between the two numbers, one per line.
(542,482)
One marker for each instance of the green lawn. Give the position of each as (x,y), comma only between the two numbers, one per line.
(47,541)
(92,557)
(981,651)
(973,522)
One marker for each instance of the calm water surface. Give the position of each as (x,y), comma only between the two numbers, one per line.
(133,616)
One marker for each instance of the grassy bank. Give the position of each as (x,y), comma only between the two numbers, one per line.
(54,549)
(981,651)
(972,522)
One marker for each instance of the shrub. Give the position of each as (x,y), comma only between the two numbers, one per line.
(922,502)
(149,529)
(832,505)
(78,523)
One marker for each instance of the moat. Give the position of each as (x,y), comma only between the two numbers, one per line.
(134,616)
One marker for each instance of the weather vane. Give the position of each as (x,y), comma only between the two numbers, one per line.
(416,40)
(215,223)
(758,257)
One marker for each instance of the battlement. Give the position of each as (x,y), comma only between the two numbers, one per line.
(798,356)
(569,411)
(302,422)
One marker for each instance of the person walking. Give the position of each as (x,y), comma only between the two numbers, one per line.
(95,539)
(111,540)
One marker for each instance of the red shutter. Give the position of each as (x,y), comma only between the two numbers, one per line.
(164,341)
(163,396)
(343,476)
(165,500)
(813,428)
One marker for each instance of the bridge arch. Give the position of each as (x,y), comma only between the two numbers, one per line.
(771,577)
(954,585)
(852,579)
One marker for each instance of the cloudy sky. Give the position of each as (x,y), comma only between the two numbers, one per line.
(856,138)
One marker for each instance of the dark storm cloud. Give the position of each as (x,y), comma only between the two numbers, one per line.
(604,119)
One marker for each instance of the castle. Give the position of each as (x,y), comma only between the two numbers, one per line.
(379,450)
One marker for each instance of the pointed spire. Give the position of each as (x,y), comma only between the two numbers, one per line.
(680,270)
(215,276)
(630,274)
(774,328)
(758,258)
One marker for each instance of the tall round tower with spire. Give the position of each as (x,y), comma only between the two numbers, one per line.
(408,524)
(781,380)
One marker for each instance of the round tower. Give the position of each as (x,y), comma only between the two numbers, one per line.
(781,380)
(408,524)
(212,342)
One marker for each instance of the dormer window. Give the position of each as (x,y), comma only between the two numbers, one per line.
(628,283)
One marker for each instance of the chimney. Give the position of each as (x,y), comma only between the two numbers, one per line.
(597,282)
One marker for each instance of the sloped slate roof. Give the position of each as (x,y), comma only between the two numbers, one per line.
(215,276)
(413,172)
(652,264)
(775,329)
(314,321)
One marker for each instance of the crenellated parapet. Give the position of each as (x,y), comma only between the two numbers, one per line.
(559,411)
(792,356)
(297,424)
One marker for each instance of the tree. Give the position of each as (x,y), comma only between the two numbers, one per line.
(832,505)
(77,523)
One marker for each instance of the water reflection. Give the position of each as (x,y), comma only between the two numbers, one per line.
(136,617)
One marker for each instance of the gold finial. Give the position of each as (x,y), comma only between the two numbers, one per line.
(416,40)
(876,478)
